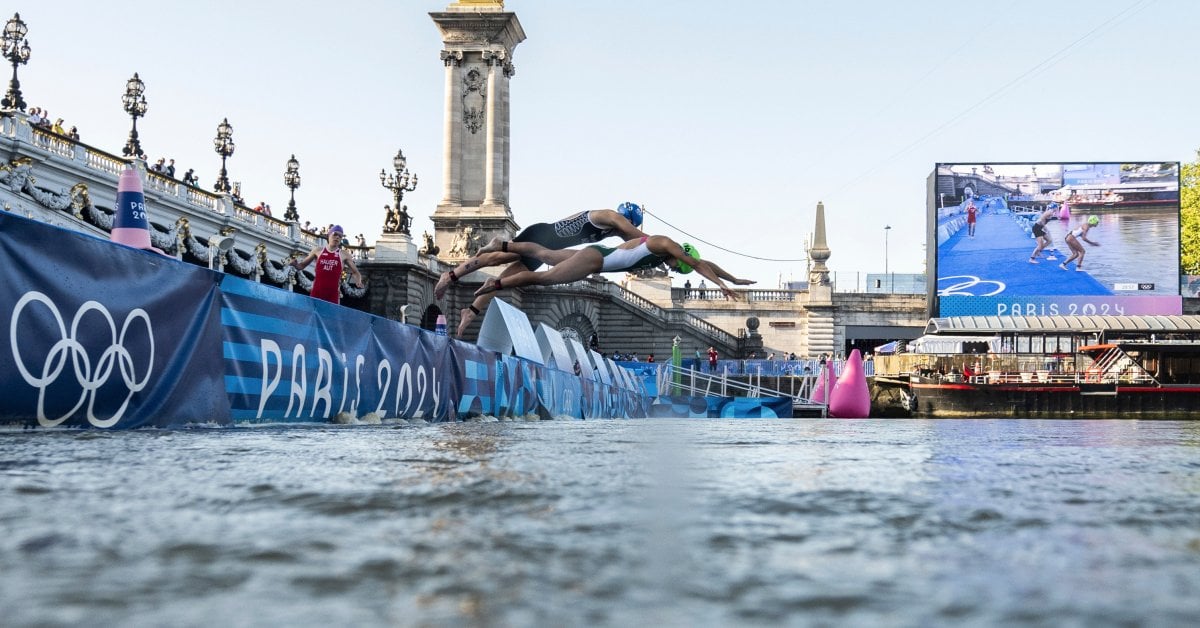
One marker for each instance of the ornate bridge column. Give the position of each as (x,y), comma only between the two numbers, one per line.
(479,37)
(451,189)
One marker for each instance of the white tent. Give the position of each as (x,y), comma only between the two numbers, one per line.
(887,348)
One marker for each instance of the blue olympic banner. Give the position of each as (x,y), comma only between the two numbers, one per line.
(667,405)
(290,358)
(108,336)
(104,335)
(684,407)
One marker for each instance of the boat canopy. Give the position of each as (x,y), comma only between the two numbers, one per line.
(952,344)
(1065,324)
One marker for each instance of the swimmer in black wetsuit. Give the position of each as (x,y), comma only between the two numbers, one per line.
(575,264)
(1039,231)
(582,228)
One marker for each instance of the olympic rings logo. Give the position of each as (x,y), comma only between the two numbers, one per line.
(89,376)
(965,286)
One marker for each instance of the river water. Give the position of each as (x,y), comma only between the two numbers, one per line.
(616,523)
(1138,246)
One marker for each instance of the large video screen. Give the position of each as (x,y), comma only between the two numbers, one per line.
(1054,239)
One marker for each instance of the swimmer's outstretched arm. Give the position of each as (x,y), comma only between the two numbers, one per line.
(728,277)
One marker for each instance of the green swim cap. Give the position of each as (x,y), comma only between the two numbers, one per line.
(691,251)
(1093,220)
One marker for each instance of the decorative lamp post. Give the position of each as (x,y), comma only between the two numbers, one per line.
(134,102)
(16,50)
(223,144)
(402,181)
(291,178)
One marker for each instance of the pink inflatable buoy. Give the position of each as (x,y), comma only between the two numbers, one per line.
(824,374)
(850,398)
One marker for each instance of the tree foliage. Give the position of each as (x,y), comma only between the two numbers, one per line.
(1189,217)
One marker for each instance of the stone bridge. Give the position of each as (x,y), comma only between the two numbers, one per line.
(54,179)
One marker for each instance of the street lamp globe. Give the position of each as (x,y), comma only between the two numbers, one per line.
(16,50)
(291,178)
(134,103)
(224,146)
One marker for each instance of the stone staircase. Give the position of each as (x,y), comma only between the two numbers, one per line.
(623,321)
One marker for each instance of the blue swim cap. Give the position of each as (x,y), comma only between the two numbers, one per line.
(631,212)
(691,251)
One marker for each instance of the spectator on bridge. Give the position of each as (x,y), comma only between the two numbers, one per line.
(73,134)
(701,290)
(190,178)
(576,229)
(573,265)
(58,127)
(650,358)
(687,289)
(170,169)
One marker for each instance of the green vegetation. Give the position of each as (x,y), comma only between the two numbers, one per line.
(1189,217)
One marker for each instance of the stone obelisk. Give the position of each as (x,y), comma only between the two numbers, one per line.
(478,37)
(820,310)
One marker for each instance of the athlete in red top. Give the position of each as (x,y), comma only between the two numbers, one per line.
(971,211)
(327,276)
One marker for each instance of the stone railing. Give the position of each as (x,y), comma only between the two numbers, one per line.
(676,316)
(640,301)
(64,181)
(710,294)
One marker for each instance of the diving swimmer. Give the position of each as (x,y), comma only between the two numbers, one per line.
(581,228)
(635,254)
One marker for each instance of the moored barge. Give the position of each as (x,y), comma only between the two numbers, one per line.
(1130,367)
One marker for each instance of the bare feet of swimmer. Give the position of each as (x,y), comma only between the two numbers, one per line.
(491,285)
(443,283)
(492,246)
(465,316)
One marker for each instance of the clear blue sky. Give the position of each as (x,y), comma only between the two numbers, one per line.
(730,120)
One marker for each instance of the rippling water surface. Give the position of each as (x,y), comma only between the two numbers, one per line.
(679,523)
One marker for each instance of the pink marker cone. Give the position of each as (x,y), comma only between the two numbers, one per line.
(851,398)
(131,226)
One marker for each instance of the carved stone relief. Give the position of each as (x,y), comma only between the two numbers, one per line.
(474,99)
